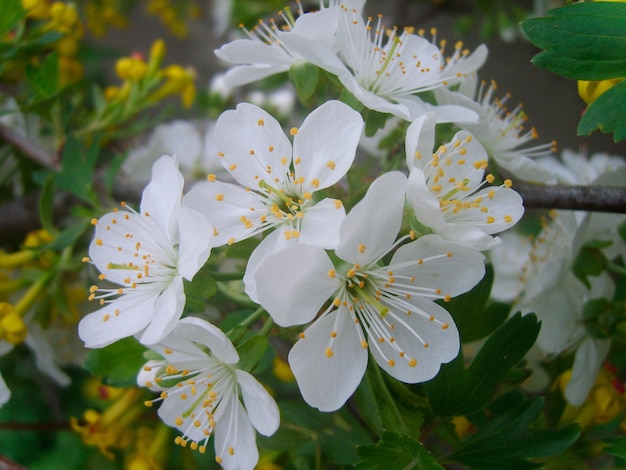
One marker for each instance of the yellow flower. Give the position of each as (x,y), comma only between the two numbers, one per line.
(131,68)
(179,81)
(589,91)
(36,9)
(282,371)
(12,327)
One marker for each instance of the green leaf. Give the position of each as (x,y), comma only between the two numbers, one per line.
(459,391)
(583,41)
(508,440)
(68,236)
(621,229)
(590,261)
(251,351)
(473,319)
(305,77)
(615,446)
(118,363)
(607,112)
(375,121)
(76,176)
(44,78)
(46,205)
(396,451)
(350,100)
(198,290)
(11,13)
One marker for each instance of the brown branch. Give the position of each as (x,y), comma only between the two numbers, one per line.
(29,148)
(584,198)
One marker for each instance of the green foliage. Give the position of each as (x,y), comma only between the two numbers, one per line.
(305,78)
(396,451)
(615,446)
(509,440)
(459,391)
(117,363)
(583,41)
(77,174)
(251,351)
(11,13)
(198,291)
(590,260)
(607,113)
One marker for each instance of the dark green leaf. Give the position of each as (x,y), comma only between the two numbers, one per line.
(508,440)
(46,205)
(583,41)
(590,261)
(350,100)
(251,351)
(198,290)
(44,78)
(607,112)
(615,446)
(118,363)
(456,391)
(68,236)
(375,121)
(10,13)
(398,452)
(305,77)
(76,176)
(621,229)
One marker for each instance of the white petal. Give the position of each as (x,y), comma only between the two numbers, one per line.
(44,355)
(429,342)
(318,26)
(505,206)
(247,51)
(168,309)
(261,407)
(224,205)
(270,245)
(372,225)
(420,140)
(161,198)
(450,267)
(448,113)
(293,284)
(245,74)
(587,362)
(321,224)
(196,240)
(136,310)
(326,144)
(204,333)
(424,203)
(234,432)
(254,145)
(373,101)
(468,235)
(5,393)
(327,382)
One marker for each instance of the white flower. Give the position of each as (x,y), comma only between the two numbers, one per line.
(266,52)
(508,260)
(501,131)
(578,168)
(278,180)
(200,387)
(183,139)
(386,72)
(386,308)
(147,253)
(447,191)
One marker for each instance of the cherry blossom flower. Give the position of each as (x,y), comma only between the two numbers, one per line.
(388,72)
(148,254)
(265,52)
(447,191)
(200,386)
(278,180)
(386,308)
(501,131)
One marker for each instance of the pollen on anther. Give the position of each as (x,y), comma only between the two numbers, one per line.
(391,362)
(293,130)
(333,334)
(445,326)
(332,273)
(364,344)
(329,352)
(361,248)
(412,362)
(211,177)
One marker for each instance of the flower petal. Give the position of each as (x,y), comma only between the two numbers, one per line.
(321,224)
(423,341)
(420,140)
(261,407)
(161,198)
(196,240)
(372,225)
(44,355)
(326,144)
(327,380)
(168,309)
(248,51)
(245,74)
(5,393)
(293,284)
(225,205)
(235,443)
(253,145)
(202,332)
(424,203)
(587,362)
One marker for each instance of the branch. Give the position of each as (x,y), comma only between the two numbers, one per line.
(28,148)
(584,198)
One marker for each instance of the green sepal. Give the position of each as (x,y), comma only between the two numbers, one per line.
(305,78)
(375,121)
(607,113)
(590,260)
(198,290)
(582,41)
(118,363)
(459,391)
(351,100)
(396,451)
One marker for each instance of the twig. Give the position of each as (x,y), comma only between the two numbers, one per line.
(28,148)
(584,198)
